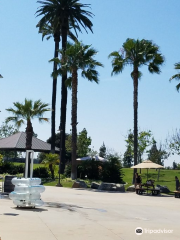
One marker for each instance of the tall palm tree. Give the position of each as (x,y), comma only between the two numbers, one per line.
(137,53)
(77,57)
(24,113)
(176,76)
(61,14)
(48,31)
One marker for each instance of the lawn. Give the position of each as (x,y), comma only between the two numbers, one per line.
(166,177)
(34,165)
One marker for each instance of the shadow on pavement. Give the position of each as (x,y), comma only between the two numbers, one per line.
(150,195)
(70,207)
(97,190)
(10,214)
(30,209)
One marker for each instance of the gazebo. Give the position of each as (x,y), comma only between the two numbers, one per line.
(17,142)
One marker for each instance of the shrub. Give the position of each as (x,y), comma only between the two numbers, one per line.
(10,168)
(89,168)
(20,168)
(112,171)
(67,170)
(41,172)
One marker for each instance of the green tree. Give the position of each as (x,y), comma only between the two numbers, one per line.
(157,155)
(51,160)
(41,155)
(61,15)
(128,157)
(112,171)
(77,57)
(102,151)
(1,159)
(137,53)
(175,166)
(24,113)
(7,130)
(83,143)
(110,153)
(173,142)
(145,140)
(176,76)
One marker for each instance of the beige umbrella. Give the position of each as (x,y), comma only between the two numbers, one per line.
(148,165)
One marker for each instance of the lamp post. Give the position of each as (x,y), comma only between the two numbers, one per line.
(60,154)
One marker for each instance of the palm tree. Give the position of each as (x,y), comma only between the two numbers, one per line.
(77,57)
(61,14)
(24,113)
(137,53)
(176,76)
(51,161)
(47,31)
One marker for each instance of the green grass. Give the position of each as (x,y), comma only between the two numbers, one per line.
(65,183)
(166,177)
(34,165)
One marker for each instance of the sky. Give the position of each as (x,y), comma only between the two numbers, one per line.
(104,109)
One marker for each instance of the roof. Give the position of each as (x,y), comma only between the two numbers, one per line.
(17,142)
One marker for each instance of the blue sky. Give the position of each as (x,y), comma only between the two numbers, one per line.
(106,109)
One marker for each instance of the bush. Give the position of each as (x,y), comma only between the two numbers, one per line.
(112,171)
(91,168)
(41,172)
(10,168)
(67,170)
(20,168)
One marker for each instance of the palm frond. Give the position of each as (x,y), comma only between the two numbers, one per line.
(137,53)
(177,65)
(23,112)
(118,63)
(176,77)
(56,12)
(177,87)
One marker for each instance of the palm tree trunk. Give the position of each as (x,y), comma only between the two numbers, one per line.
(54,90)
(135,96)
(29,135)
(63,104)
(74,124)
(51,170)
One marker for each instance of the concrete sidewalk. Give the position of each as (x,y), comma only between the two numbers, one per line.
(76,214)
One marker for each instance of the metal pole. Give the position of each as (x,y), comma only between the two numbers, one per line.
(26,166)
(32,157)
(32,162)
(60,162)
(147,173)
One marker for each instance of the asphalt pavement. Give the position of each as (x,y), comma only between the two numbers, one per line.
(81,214)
